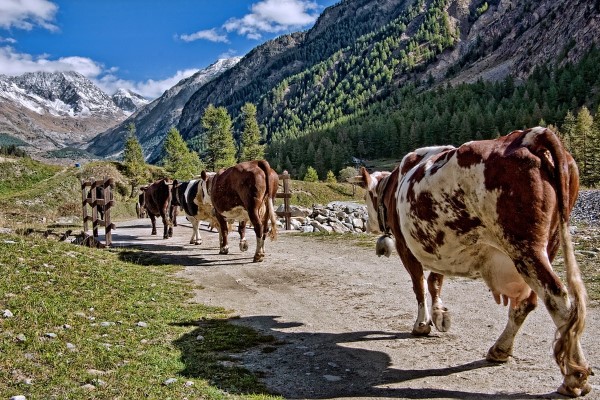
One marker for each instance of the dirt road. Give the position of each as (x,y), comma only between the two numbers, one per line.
(343,318)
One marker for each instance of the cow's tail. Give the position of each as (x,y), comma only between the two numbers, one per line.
(264,165)
(567,184)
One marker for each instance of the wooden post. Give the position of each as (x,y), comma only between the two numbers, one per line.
(84,205)
(109,202)
(286,195)
(94,209)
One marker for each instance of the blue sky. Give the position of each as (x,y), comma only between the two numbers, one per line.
(143,45)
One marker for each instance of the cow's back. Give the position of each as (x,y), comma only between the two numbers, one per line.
(460,207)
(232,187)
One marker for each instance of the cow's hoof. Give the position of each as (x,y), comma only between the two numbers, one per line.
(441,319)
(243,245)
(196,242)
(497,355)
(224,250)
(574,392)
(170,232)
(258,257)
(421,329)
(575,383)
(153,233)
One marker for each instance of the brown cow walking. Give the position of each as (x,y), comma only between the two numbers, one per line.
(245,192)
(157,202)
(495,209)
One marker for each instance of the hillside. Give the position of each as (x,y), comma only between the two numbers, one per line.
(413,42)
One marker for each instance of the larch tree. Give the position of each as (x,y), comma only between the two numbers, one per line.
(251,149)
(133,159)
(178,160)
(580,142)
(220,146)
(594,151)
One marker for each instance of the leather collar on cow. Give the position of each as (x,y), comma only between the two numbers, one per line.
(381,208)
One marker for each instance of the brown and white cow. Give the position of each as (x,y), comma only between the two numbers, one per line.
(245,192)
(495,209)
(194,199)
(157,202)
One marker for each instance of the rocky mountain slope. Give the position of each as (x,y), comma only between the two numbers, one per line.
(54,110)
(153,121)
(489,40)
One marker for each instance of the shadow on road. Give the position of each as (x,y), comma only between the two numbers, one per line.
(320,365)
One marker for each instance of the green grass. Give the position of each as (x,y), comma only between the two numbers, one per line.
(21,174)
(308,193)
(68,290)
(30,191)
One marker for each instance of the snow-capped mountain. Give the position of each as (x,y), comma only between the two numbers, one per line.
(153,121)
(59,93)
(129,101)
(51,110)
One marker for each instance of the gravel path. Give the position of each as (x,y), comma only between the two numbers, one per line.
(343,316)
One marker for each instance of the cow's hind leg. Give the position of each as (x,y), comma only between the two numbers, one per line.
(568,315)
(259,255)
(502,349)
(153,221)
(439,314)
(223,232)
(242,232)
(195,239)
(168,228)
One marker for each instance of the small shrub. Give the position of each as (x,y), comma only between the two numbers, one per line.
(311,175)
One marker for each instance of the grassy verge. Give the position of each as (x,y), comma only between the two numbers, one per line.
(87,324)
(308,193)
(23,174)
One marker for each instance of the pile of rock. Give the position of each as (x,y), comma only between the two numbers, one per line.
(587,207)
(344,217)
(337,216)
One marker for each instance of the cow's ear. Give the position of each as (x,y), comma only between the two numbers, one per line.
(203,175)
(363,179)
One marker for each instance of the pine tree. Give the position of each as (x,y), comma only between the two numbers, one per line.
(594,150)
(580,143)
(330,177)
(133,158)
(311,175)
(568,130)
(220,145)
(250,147)
(179,161)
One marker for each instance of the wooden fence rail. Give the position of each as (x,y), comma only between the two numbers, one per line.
(286,196)
(106,202)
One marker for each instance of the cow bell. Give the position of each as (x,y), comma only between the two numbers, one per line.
(385,246)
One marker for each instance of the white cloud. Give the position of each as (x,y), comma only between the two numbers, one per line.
(14,63)
(274,16)
(27,14)
(228,54)
(7,40)
(210,35)
(150,89)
